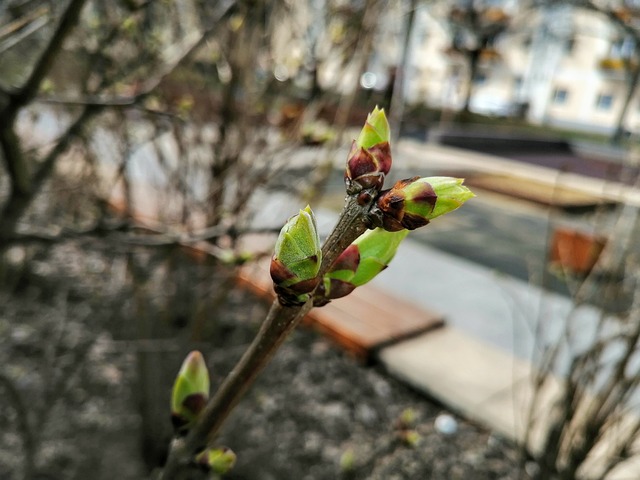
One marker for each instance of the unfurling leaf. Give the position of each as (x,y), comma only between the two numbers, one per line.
(297,258)
(365,258)
(414,202)
(190,392)
(219,460)
(369,159)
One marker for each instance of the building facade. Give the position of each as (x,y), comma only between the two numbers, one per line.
(561,66)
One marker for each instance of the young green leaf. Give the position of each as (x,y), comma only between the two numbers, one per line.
(297,258)
(414,202)
(365,258)
(190,391)
(369,159)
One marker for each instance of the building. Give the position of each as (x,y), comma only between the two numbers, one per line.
(562,66)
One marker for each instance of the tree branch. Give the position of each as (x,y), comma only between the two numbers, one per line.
(18,203)
(43,65)
(280,322)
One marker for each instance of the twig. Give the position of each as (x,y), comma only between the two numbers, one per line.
(43,65)
(30,29)
(132,101)
(16,25)
(280,322)
(20,199)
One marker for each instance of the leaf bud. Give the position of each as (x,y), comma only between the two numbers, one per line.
(414,202)
(365,258)
(369,159)
(190,392)
(219,460)
(297,258)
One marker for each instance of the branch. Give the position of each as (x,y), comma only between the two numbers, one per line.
(18,203)
(43,65)
(611,14)
(21,189)
(280,322)
(120,233)
(39,21)
(16,160)
(15,26)
(108,101)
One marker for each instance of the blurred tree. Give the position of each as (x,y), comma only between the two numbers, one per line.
(475,25)
(153,125)
(625,17)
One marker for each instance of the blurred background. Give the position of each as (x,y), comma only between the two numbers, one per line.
(151,149)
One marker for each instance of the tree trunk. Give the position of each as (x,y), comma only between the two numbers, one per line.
(474,61)
(396,104)
(633,75)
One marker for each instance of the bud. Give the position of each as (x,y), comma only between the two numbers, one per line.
(411,438)
(347,460)
(414,202)
(370,157)
(375,130)
(218,460)
(190,392)
(297,258)
(365,258)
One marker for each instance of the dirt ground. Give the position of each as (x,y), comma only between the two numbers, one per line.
(314,414)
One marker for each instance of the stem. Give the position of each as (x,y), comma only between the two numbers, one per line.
(21,189)
(280,322)
(49,55)
(349,227)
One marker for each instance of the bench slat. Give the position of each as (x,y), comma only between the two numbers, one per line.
(362,322)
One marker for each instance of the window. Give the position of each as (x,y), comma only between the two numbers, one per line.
(560,96)
(479,78)
(622,47)
(604,101)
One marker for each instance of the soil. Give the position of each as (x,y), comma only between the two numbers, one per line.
(315,413)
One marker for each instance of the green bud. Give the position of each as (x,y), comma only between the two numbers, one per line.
(411,438)
(347,460)
(190,392)
(297,258)
(414,202)
(369,159)
(407,418)
(365,258)
(219,460)
(375,130)
(451,194)
(377,248)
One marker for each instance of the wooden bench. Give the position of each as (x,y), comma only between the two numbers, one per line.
(362,322)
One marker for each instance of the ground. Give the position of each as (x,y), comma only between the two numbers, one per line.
(315,413)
